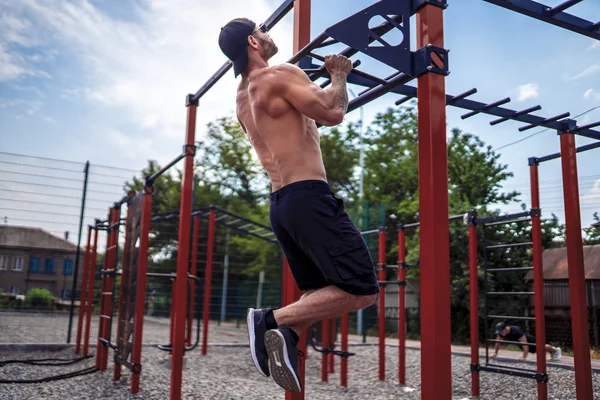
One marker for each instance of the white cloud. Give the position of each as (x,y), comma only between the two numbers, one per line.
(528,91)
(594,45)
(50,120)
(144,67)
(591,94)
(593,197)
(591,70)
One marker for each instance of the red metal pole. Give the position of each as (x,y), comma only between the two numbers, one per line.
(140,288)
(90,295)
(381,277)
(332,334)
(193,271)
(208,279)
(474,305)
(301,39)
(83,294)
(102,300)
(436,376)
(183,253)
(172,313)
(579,314)
(325,337)
(344,361)
(538,281)
(402,307)
(122,302)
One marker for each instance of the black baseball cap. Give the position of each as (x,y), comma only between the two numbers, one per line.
(500,327)
(233,41)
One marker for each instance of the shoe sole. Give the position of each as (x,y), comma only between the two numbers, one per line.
(252,338)
(279,362)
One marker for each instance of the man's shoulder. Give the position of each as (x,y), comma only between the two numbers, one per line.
(283,70)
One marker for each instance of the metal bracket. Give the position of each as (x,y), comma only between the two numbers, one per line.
(475,368)
(357,30)
(189,150)
(430,59)
(571,126)
(533,161)
(136,369)
(536,212)
(417,4)
(543,378)
(189,100)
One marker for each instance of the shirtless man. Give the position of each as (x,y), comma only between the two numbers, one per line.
(277,107)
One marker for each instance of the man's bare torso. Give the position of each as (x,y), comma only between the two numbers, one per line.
(287,142)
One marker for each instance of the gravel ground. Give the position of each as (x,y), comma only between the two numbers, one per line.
(228,373)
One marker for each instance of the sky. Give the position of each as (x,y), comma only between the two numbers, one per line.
(106,80)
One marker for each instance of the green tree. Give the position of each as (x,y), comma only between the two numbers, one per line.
(592,233)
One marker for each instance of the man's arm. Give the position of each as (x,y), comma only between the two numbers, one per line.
(496,348)
(327,107)
(523,339)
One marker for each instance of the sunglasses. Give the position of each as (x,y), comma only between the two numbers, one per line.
(260,27)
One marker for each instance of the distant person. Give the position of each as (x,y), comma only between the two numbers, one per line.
(513,333)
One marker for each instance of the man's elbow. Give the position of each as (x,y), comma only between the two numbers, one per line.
(333,117)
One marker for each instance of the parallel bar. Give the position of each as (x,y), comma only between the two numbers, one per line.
(590,126)
(485,108)
(508,367)
(436,363)
(510,342)
(516,114)
(208,280)
(505,217)
(516,221)
(166,167)
(538,11)
(510,269)
(579,149)
(509,245)
(371,232)
(83,294)
(507,317)
(90,294)
(462,96)
(193,271)
(499,370)
(547,120)
(510,293)
(577,285)
(561,7)
(402,309)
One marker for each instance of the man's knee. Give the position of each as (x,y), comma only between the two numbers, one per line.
(366,300)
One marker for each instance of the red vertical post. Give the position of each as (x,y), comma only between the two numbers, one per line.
(301,39)
(402,306)
(183,251)
(83,294)
(193,271)
(140,287)
(474,304)
(325,344)
(125,280)
(381,277)
(172,314)
(90,294)
(344,339)
(208,279)
(579,314)
(332,335)
(436,376)
(538,280)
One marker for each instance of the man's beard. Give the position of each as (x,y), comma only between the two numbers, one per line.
(269,49)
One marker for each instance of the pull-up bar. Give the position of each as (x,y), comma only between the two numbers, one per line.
(580,149)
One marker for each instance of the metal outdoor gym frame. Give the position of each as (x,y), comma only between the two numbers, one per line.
(429,65)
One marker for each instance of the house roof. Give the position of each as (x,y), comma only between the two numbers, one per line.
(32,238)
(556,265)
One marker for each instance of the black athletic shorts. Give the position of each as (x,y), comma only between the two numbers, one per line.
(322,245)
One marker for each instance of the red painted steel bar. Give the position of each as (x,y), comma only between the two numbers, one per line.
(125,266)
(90,295)
(301,38)
(401,308)
(538,282)
(208,279)
(140,287)
(325,343)
(183,253)
(474,305)
(381,277)
(83,294)
(344,339)
(331,364)
(193,271)
(436,376)
(172,313)
(577,289)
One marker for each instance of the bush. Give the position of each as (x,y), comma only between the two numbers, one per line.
(39,299)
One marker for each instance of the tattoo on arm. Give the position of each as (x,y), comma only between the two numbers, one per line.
(339,83)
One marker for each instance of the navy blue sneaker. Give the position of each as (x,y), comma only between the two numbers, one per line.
(257,327)
(283,358)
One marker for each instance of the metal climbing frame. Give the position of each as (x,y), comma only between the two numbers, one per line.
(539,374)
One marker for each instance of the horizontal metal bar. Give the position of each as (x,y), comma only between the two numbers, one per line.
(504,217)
(108,343)
(159,275)
(402,100)
(164,169)
(456,217)
(589,126)
(507,371)
(485,108)
(547,120)
(516,114)
(461,96)
(509,269)
(371,232)
(510,342)
(411,225)
(561,7)
(509,245)
(538,11)
(511,317)
(510,293)
(516,221)
(105,317)
(281,11)
(106,293)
